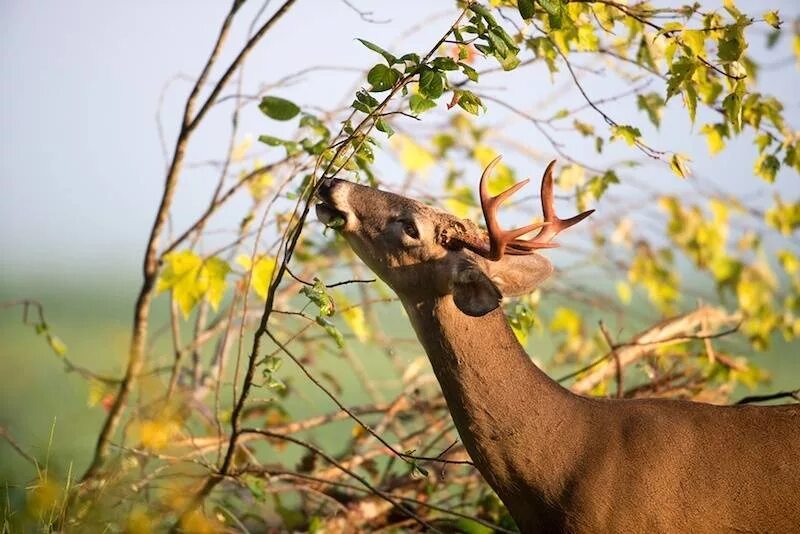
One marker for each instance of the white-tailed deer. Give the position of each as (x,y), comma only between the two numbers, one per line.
(562,462)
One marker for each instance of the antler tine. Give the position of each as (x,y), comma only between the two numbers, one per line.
(499,239)
(548,209)
(508,241)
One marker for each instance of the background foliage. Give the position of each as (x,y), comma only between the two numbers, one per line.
(270,383)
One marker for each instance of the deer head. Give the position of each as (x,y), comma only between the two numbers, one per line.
(423,252)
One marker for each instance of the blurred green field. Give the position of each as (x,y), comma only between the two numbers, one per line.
(38,397)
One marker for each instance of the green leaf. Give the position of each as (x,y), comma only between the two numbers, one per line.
(272,364)
(420,104)
(367,99)
(444,63)
(314,124)
(680,72)
(556,11)
(469,72)
(732,104)
(290,146)
(256,487)
(553,7)
(331,330)
(732,44)
(431,83)
(384,127)
(390,59)
(690,99)
(526,9)
(318,294)
(382,78)
(644,55)
(469,102)
(653,104)
(278,108)
(598,185)
(627,133)
(767,167)
(468,526)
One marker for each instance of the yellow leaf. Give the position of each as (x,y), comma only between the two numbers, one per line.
(796,46)
(457,208)
(241,148)
(720,210)
(354,317)
(713,138)
(413,369)
(502,176)
(571,177)
(44,498)
(217,270)
(566,320)
(139,521)
(244,261)
(57,345)
(624,292)
(695,40)
(190,279)
(520,333)
(587,38)
(261,276)
(678,165)
(772,18)
(483,155)
(97,390)
(413,157)
(197,523)
(358,431)
(260,184)
(155,434)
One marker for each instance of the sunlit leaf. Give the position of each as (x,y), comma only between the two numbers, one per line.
(190,278)
(413,156)
(566,320)
(627,133)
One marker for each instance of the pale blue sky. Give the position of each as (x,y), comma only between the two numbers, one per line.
(81,167)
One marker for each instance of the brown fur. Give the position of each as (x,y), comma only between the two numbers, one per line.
(562,462)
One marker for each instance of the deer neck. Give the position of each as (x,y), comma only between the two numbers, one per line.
(520,427)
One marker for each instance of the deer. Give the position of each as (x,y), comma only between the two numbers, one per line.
(560,462)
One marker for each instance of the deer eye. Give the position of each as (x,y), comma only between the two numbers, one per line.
(410,229)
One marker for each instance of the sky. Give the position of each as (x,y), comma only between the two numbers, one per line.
(81,164)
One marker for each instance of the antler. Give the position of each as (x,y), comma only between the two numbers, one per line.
(508,241)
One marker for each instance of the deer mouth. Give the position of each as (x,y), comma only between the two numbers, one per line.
(327,212)
(330,216)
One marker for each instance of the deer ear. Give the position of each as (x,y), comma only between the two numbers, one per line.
(518,275)
(479,285)
(473,292)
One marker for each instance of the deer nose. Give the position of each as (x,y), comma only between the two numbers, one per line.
(325,188)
